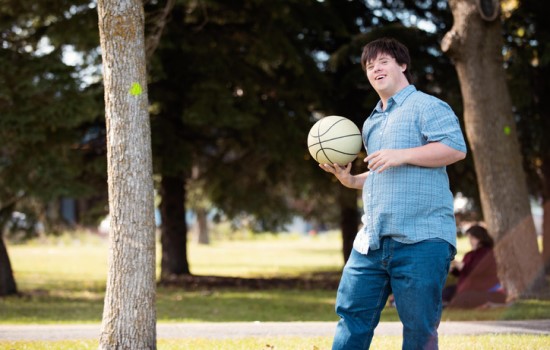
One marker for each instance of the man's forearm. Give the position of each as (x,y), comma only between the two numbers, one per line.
(432,155)
(357,181)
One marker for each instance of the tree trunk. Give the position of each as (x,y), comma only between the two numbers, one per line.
(546,214)
(475,46)
(202,226)
(174,228)
(7,282)
(129,315)
(349,219)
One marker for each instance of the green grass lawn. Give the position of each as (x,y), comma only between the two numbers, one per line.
(486,342)
(63,281)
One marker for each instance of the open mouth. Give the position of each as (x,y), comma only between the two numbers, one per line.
(380,77)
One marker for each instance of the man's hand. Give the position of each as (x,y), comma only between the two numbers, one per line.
(385,159)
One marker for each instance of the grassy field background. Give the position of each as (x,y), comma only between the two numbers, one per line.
(63,281)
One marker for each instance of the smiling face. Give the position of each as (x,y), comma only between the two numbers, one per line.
(386,62)
(386,76)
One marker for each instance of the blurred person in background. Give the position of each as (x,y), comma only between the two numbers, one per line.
(478,283)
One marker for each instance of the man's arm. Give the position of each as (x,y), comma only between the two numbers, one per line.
(432,155)
(343,175)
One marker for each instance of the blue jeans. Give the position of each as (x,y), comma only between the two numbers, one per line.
(415,273)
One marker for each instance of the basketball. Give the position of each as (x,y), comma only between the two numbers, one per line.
(334,139)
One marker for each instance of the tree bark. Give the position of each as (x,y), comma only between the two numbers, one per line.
(174,228)
(7,282)
(129,315)
(349,219)
(475,46)
(546,214)
(202,226)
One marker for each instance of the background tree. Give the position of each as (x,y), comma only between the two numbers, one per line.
(232,92)
(200,204)
(528,66)
(475,45)
(45,112)
(129,316)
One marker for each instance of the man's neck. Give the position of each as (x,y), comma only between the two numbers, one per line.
(386,97)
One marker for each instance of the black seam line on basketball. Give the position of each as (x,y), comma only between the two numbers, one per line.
(335,150)
(319,135)
(340,120)
(336,138)
(320,144)
(326,155)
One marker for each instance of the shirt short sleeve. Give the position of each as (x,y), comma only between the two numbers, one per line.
(440,124)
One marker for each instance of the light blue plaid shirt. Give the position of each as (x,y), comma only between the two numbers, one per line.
(408,203)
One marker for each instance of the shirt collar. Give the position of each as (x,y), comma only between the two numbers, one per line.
(398,98)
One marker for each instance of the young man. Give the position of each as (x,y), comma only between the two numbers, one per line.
(408,236)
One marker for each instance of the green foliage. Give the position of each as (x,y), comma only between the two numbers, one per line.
(233,90)
(233,86)
(43,106)
(527,35)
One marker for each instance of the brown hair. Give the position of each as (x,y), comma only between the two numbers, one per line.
(481,234)
(390,47)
